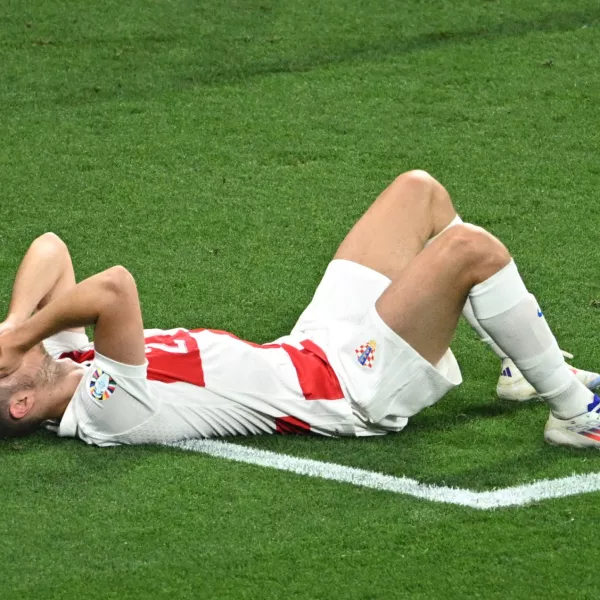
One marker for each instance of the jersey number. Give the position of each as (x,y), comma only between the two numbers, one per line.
(180,347)
(174,357)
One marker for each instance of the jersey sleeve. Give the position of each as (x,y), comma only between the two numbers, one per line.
(112,399)
(65,341)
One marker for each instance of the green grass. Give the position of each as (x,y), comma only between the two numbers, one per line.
(221,151)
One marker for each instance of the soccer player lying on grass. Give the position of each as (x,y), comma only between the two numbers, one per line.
(370,351)
(47,272)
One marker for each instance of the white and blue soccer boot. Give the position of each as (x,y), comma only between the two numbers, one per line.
(582,431)
(514,387)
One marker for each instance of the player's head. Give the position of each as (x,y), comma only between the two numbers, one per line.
(21,393)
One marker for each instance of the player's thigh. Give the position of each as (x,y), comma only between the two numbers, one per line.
(424,303)
(396,226)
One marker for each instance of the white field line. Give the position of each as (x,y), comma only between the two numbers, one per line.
(510,496)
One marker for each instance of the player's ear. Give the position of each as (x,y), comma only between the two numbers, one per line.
(21,404)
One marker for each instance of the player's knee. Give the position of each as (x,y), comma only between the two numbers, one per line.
(480,253)
(50,236)
(417,177)
(423,186)
(50,242)
(416,185)
(460,242)
(117,280)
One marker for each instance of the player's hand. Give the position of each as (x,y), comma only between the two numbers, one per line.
(11,356)
(7,325)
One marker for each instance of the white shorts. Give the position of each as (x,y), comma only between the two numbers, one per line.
(384,378)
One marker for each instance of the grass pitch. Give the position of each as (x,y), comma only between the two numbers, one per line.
(221,150)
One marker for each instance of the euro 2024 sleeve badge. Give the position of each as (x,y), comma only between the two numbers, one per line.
(102,385)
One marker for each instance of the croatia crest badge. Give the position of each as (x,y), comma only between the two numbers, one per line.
(365,353)
(102,385)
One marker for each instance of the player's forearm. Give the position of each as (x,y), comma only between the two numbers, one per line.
(41,269)
(81,306)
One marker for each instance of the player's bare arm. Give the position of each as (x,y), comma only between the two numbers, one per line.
(108,301)
(45,273)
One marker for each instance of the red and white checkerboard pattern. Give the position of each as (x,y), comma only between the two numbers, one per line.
(368,362)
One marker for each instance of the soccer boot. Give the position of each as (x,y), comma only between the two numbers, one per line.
(582,431)
(513,386)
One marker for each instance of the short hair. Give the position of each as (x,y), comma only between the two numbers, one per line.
(9,426)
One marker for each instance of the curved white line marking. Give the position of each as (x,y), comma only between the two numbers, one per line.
(500,498)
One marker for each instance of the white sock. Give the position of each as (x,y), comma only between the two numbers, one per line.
(512,318)
(468,313)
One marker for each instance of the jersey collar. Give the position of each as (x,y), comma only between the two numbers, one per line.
(68,423)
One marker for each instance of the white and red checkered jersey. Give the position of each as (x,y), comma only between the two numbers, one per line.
(204,383)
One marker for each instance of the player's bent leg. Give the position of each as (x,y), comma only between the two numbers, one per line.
(395,228)
(407,216)
(397,361)
(512,385)
(424,304)
(422,307)
(392,231)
